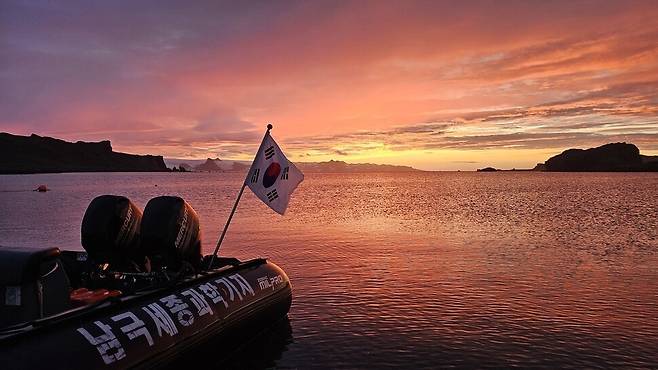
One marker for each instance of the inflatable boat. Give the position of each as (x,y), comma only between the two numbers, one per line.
(139,296)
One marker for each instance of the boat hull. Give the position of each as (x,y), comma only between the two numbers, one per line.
(154,328)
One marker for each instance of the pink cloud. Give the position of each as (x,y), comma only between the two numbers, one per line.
(183,80)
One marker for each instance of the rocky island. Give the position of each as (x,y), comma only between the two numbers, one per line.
(613,157)
(218,165)
(39,154)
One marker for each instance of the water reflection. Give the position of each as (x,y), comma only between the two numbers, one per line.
(420,270)
(264,350)
(253,349)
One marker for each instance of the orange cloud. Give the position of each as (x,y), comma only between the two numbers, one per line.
(380,81)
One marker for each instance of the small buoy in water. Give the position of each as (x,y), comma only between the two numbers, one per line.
(42,189)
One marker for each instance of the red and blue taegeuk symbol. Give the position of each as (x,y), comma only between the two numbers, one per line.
(271,174)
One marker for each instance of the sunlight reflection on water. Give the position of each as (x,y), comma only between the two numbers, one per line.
(419,270)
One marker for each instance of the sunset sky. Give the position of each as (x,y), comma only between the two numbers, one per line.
(436,85)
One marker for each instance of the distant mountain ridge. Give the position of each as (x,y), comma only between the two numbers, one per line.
(218,165)
(223,165)
(40,154)
(341,167)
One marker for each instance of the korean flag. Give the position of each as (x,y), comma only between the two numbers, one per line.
(272,177)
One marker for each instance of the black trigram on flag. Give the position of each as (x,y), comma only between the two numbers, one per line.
(272,195)
(254,176)
(284,174)
(269,152)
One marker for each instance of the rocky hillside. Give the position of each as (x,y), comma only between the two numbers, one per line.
(608,157)
(37,154)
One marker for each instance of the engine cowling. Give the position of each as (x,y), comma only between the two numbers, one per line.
(110,232)
(170,233)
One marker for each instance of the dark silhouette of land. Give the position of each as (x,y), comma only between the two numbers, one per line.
(41,154)
(613,157)
(37,154)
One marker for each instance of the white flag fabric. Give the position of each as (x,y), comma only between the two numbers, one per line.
(272,177)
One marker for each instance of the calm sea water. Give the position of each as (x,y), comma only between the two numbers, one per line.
(417,270)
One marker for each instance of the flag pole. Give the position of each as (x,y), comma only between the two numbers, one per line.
(235,206)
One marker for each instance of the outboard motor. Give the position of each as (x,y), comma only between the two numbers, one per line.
(170,234)
(110,233)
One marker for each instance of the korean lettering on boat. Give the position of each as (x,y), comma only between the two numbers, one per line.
(176,306)
(168,315)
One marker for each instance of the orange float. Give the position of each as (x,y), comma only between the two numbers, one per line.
(84,296)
